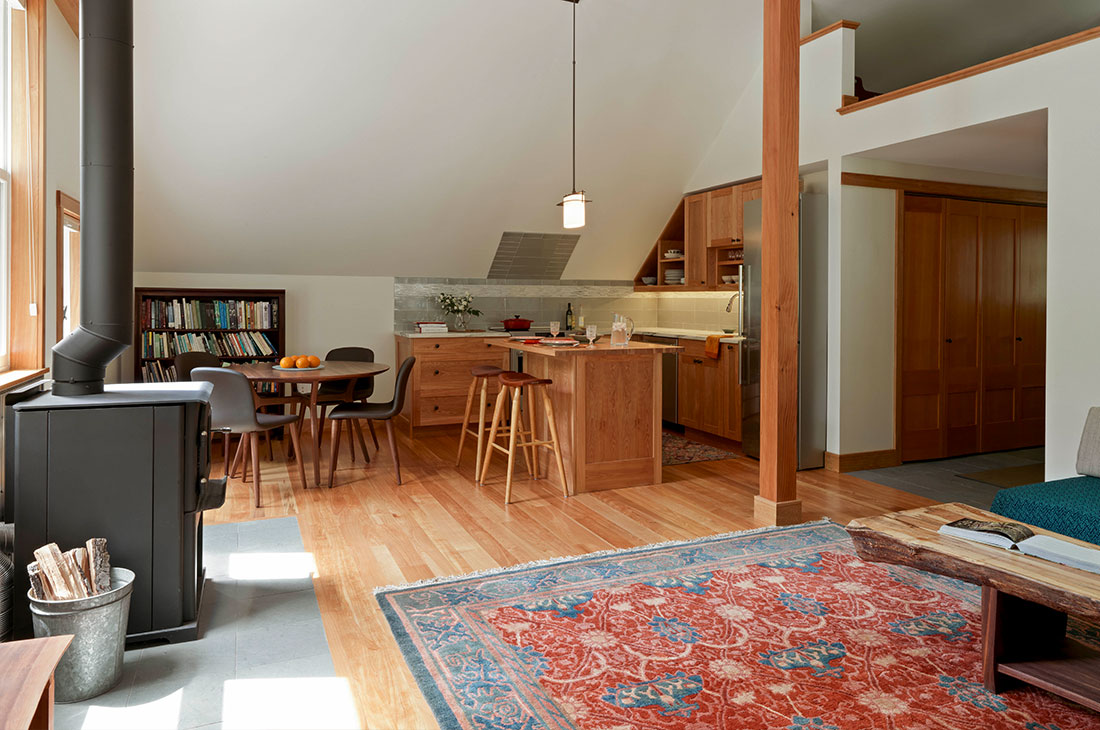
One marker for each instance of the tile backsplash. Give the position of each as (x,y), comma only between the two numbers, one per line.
(546,300)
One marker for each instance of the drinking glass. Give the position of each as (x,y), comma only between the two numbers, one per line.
(590,333)
(555,328)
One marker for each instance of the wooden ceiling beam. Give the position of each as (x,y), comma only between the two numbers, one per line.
(70,10)
(778,503)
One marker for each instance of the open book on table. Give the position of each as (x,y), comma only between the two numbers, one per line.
(1014,536)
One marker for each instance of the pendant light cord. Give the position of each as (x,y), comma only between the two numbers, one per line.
(574,96)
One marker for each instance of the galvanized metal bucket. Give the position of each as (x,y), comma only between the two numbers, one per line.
(93,662)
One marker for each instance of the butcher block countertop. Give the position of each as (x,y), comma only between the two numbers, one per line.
(600,348)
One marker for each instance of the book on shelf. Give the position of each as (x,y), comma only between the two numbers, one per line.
(194,314)
(1015,536)
(423,327)
(222,344)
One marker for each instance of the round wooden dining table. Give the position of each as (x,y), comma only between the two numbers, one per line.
(263,372)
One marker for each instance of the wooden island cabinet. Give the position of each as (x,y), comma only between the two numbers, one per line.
(441,376)
(708,390)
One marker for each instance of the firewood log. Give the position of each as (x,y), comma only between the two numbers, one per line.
(52,564)
(76,561)
(39,586)
(99,564)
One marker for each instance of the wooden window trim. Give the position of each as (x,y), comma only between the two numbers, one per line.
(67,207)
(1024,55)
(27,280)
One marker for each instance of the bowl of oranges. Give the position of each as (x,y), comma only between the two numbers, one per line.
(299,362)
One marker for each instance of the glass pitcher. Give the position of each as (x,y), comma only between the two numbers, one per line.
(622,329)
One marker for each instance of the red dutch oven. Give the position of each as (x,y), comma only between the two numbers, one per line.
(516,323)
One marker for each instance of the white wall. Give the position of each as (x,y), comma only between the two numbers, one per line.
(62,146)
(322,312)
(1052,82)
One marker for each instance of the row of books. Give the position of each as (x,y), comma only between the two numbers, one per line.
(423,327)
(228,344)
(157,372)
(193,314)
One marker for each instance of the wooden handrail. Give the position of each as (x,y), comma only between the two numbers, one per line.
(954,190)
(828,29)
(1040,50)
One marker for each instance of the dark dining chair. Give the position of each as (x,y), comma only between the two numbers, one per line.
(335,392)
(233,409)
(372,412)
(185,362)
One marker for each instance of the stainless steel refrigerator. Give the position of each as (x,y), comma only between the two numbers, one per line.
(813,295)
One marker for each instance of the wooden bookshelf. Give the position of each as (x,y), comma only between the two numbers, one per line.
(276,334)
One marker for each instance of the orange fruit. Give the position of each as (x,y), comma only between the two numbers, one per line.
(302,362)
(286,362)
(314,361)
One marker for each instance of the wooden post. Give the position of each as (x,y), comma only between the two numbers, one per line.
(778,502)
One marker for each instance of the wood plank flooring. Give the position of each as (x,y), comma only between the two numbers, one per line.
(369,532)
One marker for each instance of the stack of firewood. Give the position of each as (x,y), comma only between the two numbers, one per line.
(77,573)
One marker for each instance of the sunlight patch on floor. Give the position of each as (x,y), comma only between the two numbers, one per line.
(299,702)
(162,714)
(271,566)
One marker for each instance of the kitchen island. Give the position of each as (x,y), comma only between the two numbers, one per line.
(607,406)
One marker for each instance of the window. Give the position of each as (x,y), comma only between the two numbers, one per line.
(68,264)
(5,181)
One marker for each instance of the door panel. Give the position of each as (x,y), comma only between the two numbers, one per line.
(1031,318)
(712,395)
(961,363)
(732,357)
(688,392)
(1000,233)
(921,329)
(695,245)
(724,216)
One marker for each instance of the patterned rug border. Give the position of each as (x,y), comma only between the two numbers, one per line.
(564,560)
(419,668)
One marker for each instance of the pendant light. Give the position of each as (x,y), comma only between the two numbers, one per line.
(572,205)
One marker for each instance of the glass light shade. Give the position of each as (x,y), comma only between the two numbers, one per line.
(573,210)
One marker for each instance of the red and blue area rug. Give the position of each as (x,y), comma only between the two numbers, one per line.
(780,629)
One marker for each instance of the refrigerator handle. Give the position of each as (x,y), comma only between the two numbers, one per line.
(741,300)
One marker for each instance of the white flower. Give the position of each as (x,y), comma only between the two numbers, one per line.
(781,688)
(852,588)
(885,703)
(598,639)
(867,637)
(773,579)
(659,601)
(731,612)
(517,627)
(623,606)
(729,669)
(742,698)
(888,660)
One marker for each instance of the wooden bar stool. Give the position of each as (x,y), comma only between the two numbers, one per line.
(481,374)
(513,384)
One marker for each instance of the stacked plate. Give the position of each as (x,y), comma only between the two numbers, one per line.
(7,577)
(674,276)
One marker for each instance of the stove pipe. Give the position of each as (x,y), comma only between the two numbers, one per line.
(107,199)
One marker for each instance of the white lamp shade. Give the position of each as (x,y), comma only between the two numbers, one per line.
(573,210)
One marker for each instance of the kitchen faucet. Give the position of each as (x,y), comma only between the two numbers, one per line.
(729,304)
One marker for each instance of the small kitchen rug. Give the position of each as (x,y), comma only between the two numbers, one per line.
(775,629)
(679,450)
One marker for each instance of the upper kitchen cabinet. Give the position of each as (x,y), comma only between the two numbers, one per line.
(723,217)
(696,225)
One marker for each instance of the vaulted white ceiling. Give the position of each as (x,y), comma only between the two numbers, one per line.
(402,138)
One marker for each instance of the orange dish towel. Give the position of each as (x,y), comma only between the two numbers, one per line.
(713,346)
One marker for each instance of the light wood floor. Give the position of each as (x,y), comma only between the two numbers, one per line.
(369,532)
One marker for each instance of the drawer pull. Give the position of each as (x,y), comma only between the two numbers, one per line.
(435,408)
(437,345)
(697,361)
(437,372)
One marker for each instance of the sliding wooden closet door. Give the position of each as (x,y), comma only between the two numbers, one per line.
(920,322)
(1000,236)
(1031,327)
(962,348)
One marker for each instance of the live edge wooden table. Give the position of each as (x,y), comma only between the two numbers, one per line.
(1025,600)
(607,408)
(26,682)
(332,370)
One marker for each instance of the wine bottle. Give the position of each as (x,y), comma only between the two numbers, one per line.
(569,318)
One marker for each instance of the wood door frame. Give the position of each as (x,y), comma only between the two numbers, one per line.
(899,243)
(67,206)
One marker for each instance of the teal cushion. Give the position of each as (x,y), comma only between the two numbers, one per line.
(1066,506)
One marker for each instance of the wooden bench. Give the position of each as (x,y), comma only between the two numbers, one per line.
(26,682)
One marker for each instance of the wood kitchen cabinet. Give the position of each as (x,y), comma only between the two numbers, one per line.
(731,361)
(724,217)
(696,242)
(441,376)
(702,389)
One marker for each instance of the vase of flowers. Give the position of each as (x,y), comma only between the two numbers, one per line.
(460,307)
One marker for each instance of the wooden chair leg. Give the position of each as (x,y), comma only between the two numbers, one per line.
(237,454)
(254,447)
(492,438)
(295,440)
(516,422)
(373,435)
(270,451)
(391,435)
(245,449)
(351,439)
(517,396)
(362,442)
(548,405)
(465,422)
(333,453)
(225,452)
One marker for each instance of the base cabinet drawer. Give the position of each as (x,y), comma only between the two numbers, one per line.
(457,348)
(452,376)
(442,410)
